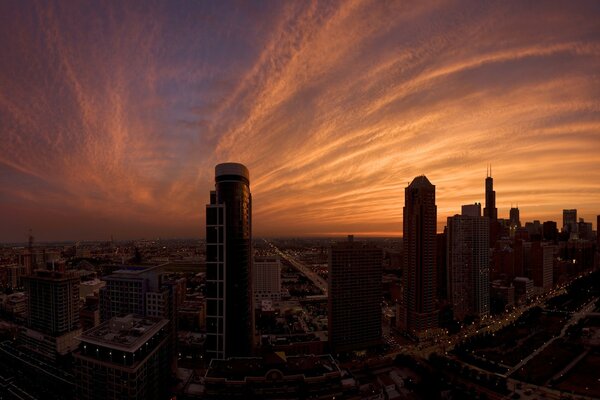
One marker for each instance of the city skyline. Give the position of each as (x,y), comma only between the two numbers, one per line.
(112,116)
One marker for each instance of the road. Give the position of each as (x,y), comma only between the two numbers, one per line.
(319,282)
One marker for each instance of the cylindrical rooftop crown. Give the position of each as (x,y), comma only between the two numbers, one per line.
(232,169)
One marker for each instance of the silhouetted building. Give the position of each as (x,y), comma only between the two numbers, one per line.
(570,221)
(515,219)
(124,358)
(535,230)
(418,310)
(585,230)
(229,315)
(469,265)
(53,313)
(354,318)
(267,278)
(550,231)
(472,210)
(490,209)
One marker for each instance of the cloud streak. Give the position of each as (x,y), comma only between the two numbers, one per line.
(113,116)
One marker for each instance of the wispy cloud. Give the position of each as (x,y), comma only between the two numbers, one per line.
(113,116)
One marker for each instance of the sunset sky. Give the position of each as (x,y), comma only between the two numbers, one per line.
(114,114)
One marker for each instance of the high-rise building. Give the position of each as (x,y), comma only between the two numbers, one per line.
(266,280)
(490,209)
(355,272)
(419,310)
(53,318)
(124,358)
(570,221)
(468,265)
(230,313)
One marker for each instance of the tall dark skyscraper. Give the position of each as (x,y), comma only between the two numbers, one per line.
(490,209)
(229,315)
(355,272)
(419,310)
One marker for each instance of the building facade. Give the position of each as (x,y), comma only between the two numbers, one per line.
(468,265)
(355,274)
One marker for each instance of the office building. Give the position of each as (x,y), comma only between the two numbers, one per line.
(124,358)
(230,313)
(266,272)
(468,265)
(419,309)
(355,273)
(134,289)
(53,313)
(570,221)
(585,230)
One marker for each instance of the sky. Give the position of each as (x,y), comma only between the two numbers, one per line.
(114,114)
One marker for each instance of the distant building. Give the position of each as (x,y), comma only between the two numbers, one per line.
(523,289)
(570,221)
(515,218)
(355,274)
(266,273)
(490,209)
(14,273)
(124,358)
(550,231)
(274,376)
(134,290)
(585,230)
(419,309)
(542,264)
(471,210)
(534,229)
(469,265)
(53,313)
(229,297)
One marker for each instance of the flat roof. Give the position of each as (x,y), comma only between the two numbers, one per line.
(127,333)
(237,369)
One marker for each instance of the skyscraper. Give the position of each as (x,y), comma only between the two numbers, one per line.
(570,221)
(355,271)
(468,265)
(515,219)
(229,315)
(53,319)
(418,310)
(490,209)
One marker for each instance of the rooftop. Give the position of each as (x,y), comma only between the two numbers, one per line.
(237,369)
(124,333)
(420,181)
